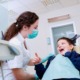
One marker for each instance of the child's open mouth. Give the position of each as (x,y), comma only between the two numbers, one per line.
(61,50)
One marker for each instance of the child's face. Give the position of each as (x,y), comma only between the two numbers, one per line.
(63,46)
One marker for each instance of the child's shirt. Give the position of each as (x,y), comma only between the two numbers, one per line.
(74,58)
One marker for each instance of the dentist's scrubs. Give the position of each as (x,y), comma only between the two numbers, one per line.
(19,61)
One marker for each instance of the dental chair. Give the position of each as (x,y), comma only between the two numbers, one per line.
(7,52)
(76,47)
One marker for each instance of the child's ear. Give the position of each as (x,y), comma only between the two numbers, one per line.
(72,47)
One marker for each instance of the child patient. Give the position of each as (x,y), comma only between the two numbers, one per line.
(65,66)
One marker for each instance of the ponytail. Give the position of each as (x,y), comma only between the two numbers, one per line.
(11,32)
(26,18)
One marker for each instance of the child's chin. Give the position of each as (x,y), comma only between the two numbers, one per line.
(61,53)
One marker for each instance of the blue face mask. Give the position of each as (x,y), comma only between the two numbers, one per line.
(33,34)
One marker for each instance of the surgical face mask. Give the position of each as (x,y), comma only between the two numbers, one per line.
(33,34)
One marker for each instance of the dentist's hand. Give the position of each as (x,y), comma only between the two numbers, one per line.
(35,60)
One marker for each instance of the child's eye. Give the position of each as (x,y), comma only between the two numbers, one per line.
(63,43)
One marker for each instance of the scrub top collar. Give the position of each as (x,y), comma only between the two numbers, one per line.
(21,39)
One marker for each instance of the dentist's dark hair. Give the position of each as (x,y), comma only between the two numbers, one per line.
(27,18)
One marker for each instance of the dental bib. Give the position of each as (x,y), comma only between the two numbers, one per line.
(60,67)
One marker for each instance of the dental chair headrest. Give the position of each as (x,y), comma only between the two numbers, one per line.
(75,38)
(7,51)
(77,49)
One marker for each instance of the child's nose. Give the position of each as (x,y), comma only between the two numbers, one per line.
(60,46)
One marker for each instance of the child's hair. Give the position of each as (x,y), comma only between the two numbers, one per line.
(70,41)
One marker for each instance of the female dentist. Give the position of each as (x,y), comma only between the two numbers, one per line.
(25,27)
